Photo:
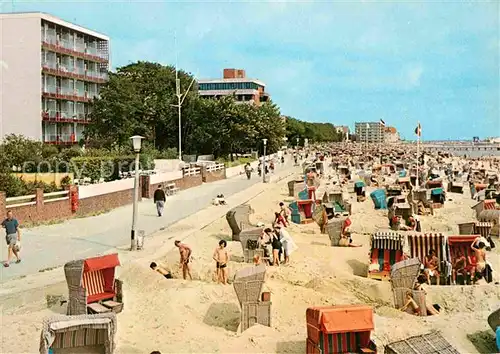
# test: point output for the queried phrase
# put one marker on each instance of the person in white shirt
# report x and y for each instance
(287, 242)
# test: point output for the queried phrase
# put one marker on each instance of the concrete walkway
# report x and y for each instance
(51, 246)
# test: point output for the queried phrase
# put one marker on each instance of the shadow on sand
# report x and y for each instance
(291, 347)
(226, 237)
(359, 269)
(225, 315)
(484, 341)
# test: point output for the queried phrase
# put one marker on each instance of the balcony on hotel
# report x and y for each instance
(71, 45)
(65, 116)
(61, 139)
(67, 93)
(74, 72)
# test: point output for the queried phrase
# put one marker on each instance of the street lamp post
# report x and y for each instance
(297, 146)
(136, 142)
(264, 162)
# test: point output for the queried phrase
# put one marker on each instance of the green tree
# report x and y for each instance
(138, 99)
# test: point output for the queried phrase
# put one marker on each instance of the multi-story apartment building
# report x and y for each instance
(369, 132)
(51, 69)
(391, 135)
(234, 83)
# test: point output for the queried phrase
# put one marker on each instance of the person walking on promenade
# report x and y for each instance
(185, 253)
(248, 170)
(13, 238)
(159, 199)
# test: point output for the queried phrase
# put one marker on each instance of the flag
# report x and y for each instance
(418, 130)
(382, 123)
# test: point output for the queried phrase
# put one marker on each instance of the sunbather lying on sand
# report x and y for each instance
(166, 273)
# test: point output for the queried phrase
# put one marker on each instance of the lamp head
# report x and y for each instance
(137, 142)
(265, 141)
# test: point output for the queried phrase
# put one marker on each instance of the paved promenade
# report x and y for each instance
(51, 246)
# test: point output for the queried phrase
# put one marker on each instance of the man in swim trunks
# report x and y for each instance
(431, 266)
(479, 252)
(459, 264)
(185, 253)
(221, 257)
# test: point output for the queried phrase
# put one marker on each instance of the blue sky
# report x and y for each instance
(338, 62)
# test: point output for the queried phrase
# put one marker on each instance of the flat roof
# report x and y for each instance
(53, 19)
(221, 81)
(227, 92)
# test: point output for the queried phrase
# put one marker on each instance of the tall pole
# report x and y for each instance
(418, 154)
(133, 242)
(264, 166)
(179, 107)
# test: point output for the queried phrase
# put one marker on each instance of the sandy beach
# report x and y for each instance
(200, 316)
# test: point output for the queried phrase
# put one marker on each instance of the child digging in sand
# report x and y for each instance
(411, 303)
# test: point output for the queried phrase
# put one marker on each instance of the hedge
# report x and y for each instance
(107, 167)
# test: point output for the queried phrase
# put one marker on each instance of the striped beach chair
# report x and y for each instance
(340, 329)
(386, 250)
(462, 243)
(88, 333)
(421, 244)
(483, 228)
(93, 281)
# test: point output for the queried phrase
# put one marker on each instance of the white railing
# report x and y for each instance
(215, 167)
(193, 171)
(24, 201)
(58, 196)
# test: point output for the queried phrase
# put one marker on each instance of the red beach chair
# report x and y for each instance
(91, 281)
(340, 329)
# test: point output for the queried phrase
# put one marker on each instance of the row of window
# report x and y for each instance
(228, 86)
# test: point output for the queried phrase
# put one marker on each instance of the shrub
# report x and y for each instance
(93, 167)
(11, 185)
(65, 182)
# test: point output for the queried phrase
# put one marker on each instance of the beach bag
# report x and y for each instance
(17, 246)
(252, 244)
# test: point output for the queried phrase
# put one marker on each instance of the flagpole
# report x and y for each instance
(418, 152)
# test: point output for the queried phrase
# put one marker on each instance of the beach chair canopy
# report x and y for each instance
(421, 244)
(489, 215)
(404, 273)
(437, 191)
(341, 319)
(83, 331)
(100, 263)
(248, 283)
(430, 343)
(359, 184)
(379, 198)
(387, 240)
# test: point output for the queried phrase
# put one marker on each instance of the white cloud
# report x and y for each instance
(414, 75)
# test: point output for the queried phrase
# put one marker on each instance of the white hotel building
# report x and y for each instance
(50, 69)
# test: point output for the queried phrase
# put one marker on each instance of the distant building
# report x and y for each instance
(391, 135)
(50, 70)
(235, 83)
(369, 132)
(344, 130)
